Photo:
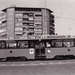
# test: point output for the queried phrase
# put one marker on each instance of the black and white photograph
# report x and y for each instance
(37, 37)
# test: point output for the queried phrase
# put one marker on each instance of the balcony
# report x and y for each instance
(51, 20)
(18, 29)
(24, 16)
(28, 21)
(18, 32)
(18, 15)
(51, 16)
(3, 34)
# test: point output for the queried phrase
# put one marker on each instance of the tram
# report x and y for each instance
(42, 47)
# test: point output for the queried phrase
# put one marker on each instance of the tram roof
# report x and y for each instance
(43, 37)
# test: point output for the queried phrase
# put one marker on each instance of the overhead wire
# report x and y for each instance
(59, 16)
(65, 18)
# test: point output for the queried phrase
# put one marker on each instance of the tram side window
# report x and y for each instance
(68, 44)
(31, 44)
(56, 44)
(2, 45)
(11, 44)
(23, 44)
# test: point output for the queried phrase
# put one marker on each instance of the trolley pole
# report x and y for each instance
(69, 31)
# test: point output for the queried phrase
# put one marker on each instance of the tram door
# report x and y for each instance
(40, 49)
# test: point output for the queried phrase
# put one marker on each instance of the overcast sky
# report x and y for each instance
(61, 8)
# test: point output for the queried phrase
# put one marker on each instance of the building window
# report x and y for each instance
(16, 20)
(18, 15)
(37, 29)
(31, 18)
(18, 32)
(31, 24)
(31, 29)
(2, 30)
(18, 24)
(4, 21)
(18, 29)
(30, 14)
(25, 19)
(38, 15)
(3, 34)
(30, 33)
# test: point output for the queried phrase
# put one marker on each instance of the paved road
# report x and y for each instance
(57, 67)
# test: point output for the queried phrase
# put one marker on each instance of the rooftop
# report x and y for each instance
(26, 8)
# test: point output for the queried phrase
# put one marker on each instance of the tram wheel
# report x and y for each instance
(23, 59)
(58, 57)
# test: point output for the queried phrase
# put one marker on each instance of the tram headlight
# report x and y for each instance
(48, 51)
(31, 51)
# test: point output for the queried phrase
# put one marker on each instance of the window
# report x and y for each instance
(2, 30)
(18, 15)
(11, 44)
(23, 44)
(18, 29)
(18, 24)
(0, 22)
(31, 24)
(3, 34)
(37, 45)
(48, 44)
(4, 21)
(38, 30)
(25, 19)
(16, 20)
(31, 18)
(56, 43)
(31, 44)
(31, 29)
(68, 43)
(30, 14)
(42, 45)
(2, 45)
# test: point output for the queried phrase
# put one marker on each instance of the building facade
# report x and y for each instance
(18, 22)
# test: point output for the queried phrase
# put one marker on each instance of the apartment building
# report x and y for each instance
(18, 22)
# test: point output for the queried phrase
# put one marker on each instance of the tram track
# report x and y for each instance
(37, 63)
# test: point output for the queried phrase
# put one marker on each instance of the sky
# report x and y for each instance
(63, 10)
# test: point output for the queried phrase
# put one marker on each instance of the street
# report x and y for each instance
(52, 67)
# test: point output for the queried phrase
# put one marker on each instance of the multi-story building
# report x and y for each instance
(18, 22)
